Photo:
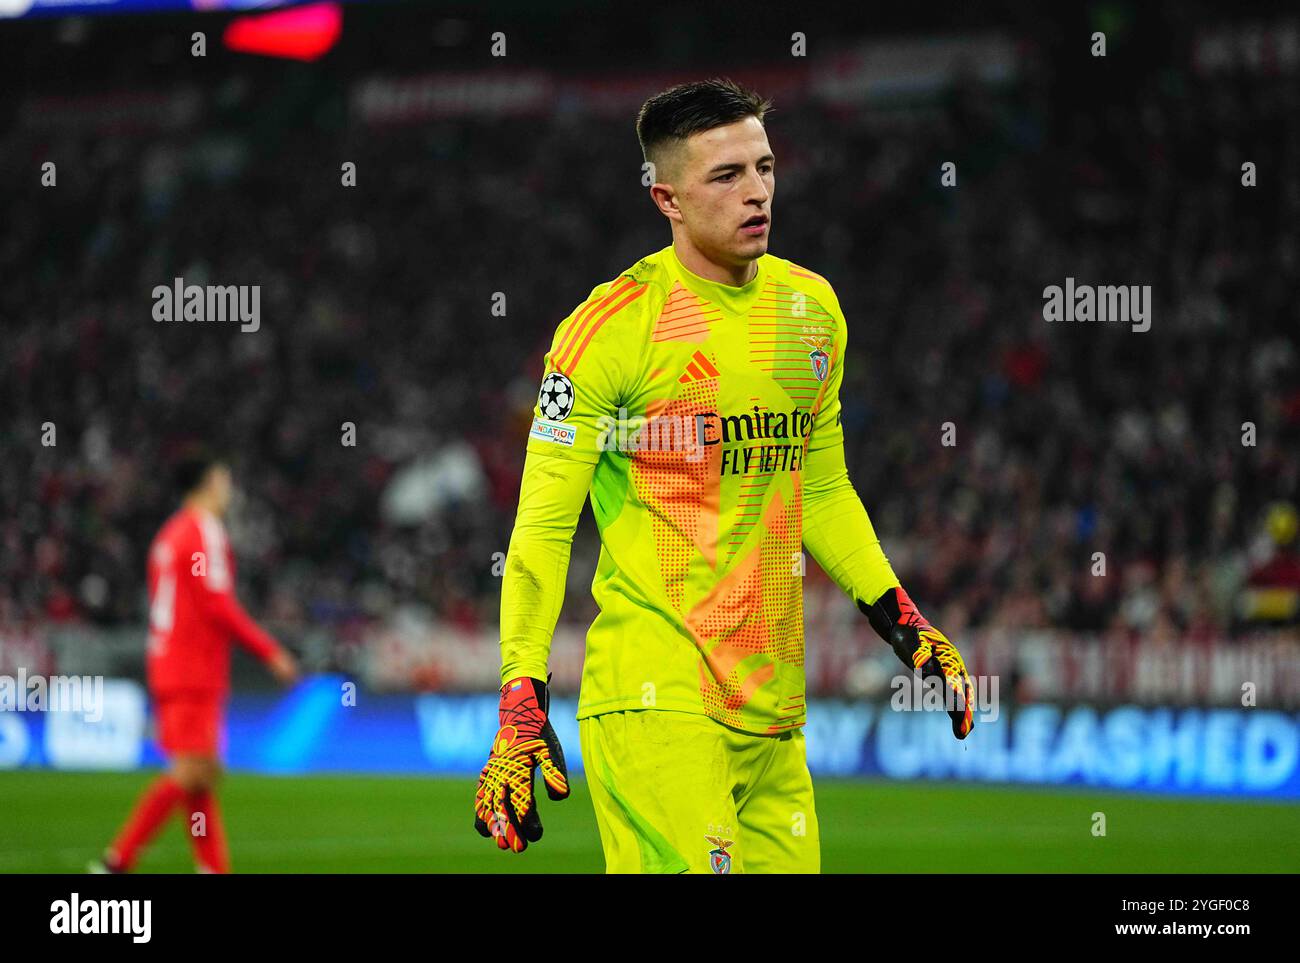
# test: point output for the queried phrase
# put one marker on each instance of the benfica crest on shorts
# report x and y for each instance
(821, 361)
(719, 858)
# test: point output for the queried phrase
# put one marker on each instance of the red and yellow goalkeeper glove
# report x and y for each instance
(921, 646)
(504, 806)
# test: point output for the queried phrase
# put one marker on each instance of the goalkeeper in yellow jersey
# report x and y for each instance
(695, 399)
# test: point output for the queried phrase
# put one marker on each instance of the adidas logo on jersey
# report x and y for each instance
(699, 368)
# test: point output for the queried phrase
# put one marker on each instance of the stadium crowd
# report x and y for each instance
(377, 310)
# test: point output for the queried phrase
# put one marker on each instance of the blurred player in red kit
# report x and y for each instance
(193, 617)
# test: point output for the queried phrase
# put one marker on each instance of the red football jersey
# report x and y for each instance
(193, 612)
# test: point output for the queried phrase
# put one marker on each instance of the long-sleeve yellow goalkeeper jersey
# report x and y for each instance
(703, 420)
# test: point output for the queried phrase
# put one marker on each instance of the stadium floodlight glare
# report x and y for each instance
(302, 33)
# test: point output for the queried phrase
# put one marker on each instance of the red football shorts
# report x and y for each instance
(189, 725)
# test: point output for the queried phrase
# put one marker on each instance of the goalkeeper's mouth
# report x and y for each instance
(755, 226)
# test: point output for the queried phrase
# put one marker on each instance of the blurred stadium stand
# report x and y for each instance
(524, 178)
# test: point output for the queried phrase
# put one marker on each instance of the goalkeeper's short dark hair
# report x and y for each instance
(191, 466)
(667, 119)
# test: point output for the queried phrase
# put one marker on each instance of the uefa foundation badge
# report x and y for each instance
(555, 402)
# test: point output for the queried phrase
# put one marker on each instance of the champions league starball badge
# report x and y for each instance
(556, 397)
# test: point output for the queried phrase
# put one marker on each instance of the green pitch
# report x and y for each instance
(56, 822)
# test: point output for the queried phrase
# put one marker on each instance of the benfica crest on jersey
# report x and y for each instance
(821, 361)
(719, 858)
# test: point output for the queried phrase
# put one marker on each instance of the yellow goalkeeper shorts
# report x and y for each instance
(676, 792)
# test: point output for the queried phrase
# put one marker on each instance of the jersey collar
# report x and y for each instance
(733, 298)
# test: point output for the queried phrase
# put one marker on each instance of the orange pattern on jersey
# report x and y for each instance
(756, 609)
(566, 340)
(803, 272)
(728, 628)
(681, 490)
(684, 317)
(777, 323)
(588, 323)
